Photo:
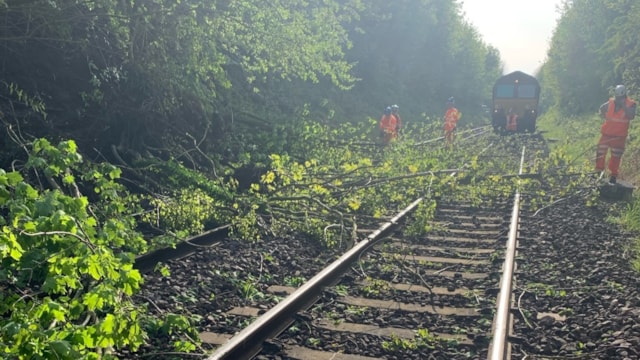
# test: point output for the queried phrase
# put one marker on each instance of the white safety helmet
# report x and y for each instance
(620, 91)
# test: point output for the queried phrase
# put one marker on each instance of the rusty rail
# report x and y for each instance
(248, 342)
(147, 262)
(500, 348)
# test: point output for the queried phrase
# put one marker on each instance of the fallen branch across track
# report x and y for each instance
(248, 342)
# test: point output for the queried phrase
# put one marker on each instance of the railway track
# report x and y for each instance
(408, 297)
(451, 274)
(405, 297)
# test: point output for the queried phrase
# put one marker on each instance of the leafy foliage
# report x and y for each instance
(67, 266)
(142, 69)
(153, 75)
(67, 273)
(423, 340)
(591, 51)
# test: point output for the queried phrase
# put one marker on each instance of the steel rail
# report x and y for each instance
(499, 348)
(248, 342)
(147, 262)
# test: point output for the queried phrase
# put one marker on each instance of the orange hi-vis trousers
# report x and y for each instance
(616, 144)
(449, 136)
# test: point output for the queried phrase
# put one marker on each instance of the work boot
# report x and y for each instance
(612, 180)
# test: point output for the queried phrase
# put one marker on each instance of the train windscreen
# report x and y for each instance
(526, 91)
(505, 91)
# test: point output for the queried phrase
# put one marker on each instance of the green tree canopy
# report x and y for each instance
(176, 78)
(591, 51)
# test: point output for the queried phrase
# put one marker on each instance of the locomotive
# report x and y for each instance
(515, 103)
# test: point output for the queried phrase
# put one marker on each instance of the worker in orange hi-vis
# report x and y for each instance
(617, 114)
(512, 120)
(395, 111)
(451, 117)
(388, 126)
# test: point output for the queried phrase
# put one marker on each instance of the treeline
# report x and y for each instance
(594, 47)
(165, 78)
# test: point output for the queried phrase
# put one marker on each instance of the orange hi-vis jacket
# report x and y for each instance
(388, 123)
(398, 121)
(451, 117)
(616, 123)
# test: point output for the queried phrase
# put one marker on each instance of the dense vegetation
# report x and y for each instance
(160, 77)
(592, 49)
(132, 124)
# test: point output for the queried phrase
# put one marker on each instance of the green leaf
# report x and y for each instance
(95, 270)
(5, 195)
(115, 173)
(62, 349)
(13, 178)
(9, 244)
(23, 189)
(93, 301)
(108, 324)
(68, 179)
(88, 339)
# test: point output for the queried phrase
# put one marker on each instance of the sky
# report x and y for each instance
(520, 29)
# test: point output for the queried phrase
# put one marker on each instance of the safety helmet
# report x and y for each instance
(395, 107)
(387, 110)
(620, 91)
(451, 100)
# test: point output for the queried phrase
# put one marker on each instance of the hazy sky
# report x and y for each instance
(520, 29)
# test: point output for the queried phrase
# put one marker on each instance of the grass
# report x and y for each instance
(578, 135)
(629, 218)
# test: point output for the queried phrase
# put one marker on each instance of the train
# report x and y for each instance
(515, 103)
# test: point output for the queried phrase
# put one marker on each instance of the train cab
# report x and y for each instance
(515, 103)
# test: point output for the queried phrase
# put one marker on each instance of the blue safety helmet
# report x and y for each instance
(387, 110)
(451, 100)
